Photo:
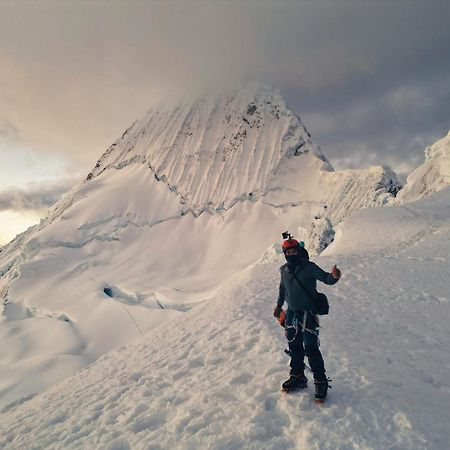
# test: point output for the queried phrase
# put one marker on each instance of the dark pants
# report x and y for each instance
(303, 343)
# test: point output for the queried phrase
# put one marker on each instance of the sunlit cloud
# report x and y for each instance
(21, 165)
(36, 197)
(21, 208)
(13, 223)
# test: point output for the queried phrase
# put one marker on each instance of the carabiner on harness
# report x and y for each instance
(296, 325)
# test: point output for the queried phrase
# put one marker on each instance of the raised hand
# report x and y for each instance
(336, 272)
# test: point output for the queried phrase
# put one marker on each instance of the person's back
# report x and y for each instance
(298, 294)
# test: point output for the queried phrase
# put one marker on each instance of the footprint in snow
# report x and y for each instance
(198, 362)
(249, 343)
(118, 444)
(150, 422)
(242, 378)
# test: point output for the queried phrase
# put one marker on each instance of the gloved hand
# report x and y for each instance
(336, 272)
(277, 311)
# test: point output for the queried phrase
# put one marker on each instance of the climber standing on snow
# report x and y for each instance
(301, 322)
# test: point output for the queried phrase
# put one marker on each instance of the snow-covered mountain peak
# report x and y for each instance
(432, 176)
(216, 148)
(189, 197)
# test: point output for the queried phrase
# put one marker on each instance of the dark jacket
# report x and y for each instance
(294, 294)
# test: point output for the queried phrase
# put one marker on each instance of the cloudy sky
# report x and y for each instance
(369, 78)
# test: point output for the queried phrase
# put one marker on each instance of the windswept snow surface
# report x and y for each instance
(210, 378)
(184, 200)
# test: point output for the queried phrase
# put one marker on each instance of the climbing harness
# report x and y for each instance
(296, 325)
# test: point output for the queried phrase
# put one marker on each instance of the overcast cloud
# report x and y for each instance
(35, 198)
(370, 79)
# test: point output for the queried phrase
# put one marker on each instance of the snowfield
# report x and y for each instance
(210, 377)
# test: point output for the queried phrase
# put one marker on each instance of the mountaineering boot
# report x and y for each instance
(321, 389)
(295, 382)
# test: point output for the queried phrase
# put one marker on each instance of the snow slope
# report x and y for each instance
(187, 198)
(209, 378)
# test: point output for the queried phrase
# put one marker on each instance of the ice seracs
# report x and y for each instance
(432, 176)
